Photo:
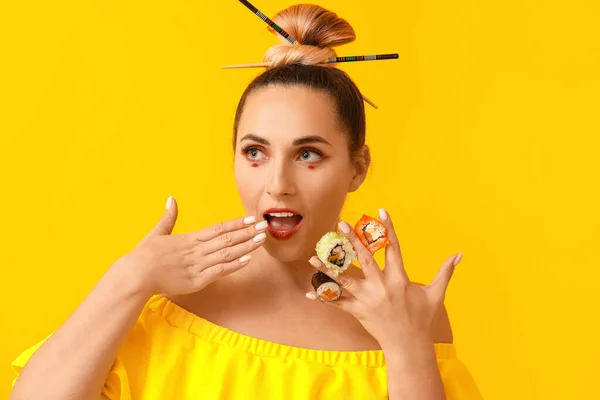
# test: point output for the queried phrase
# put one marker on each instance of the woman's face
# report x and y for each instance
(293, 167)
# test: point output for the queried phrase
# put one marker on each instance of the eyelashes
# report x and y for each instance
(252, 153)
(246, 152)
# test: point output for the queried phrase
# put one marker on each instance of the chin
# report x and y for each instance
(290, 250)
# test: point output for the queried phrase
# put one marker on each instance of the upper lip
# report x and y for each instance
(280, 210)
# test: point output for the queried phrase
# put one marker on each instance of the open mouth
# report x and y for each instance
(283, 224)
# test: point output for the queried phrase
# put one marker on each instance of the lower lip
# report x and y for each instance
(284, 235)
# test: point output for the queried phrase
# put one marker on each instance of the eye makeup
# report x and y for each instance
(252, 152)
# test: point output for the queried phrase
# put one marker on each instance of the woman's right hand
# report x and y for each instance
(180, 264)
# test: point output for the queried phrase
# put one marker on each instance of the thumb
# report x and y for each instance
(167, 222)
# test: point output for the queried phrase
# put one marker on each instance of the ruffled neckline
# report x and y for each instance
(179, 317)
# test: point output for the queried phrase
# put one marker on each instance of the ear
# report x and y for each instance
(361, 161)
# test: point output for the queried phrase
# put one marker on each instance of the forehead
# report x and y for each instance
(284, 112)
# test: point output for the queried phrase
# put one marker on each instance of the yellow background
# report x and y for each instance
(486, 142)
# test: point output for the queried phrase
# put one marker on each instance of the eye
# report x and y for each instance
(310, 155)
(253, 154)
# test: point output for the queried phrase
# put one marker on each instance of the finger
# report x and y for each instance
(228, 254)
(229, 239)
(214, 231)
(311, 295)
(220, 270)
(439, 285)
(346, 282)
(344, 303)
(167, 221)
(394, 265)
(367, 262)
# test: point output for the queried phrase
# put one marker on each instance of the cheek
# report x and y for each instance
(246, 183)
(325, 189)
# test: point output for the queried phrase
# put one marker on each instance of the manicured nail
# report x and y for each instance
(383, 215)
(249, 220)
(344, 227)
(245, 259)
(315, 262)
(259, 238)
(311, 296)
(261, 225)
(457, 259)
(169, 202)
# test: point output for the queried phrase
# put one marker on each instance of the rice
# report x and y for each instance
(336, 252)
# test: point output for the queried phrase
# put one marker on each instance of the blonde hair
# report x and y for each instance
(316, 29)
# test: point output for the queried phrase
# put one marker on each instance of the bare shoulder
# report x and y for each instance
(441, 329)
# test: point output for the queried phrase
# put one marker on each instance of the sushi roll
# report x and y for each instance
(336, 252)
(371, 233)
(326, 288)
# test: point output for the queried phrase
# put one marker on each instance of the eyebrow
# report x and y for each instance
(298, 142)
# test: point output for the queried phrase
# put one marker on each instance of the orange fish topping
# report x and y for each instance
(329, 294)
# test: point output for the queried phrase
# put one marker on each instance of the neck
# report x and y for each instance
(286, 275)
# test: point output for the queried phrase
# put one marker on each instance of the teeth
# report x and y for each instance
(282, 214)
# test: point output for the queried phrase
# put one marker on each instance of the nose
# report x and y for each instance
(281, 181)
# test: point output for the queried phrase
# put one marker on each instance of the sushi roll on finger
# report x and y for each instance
(371, 233)
(336, 252)
(326, 288)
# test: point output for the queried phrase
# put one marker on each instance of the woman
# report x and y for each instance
(223, 313)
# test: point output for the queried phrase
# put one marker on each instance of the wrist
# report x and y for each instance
(412, 362)
(409, 349)
(407, 340)
(127, 278)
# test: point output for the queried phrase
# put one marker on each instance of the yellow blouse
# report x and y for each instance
(174, 354)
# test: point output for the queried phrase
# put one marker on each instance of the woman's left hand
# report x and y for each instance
(388, 305)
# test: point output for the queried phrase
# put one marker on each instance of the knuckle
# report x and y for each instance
(194, 272)
(225, 254)
(226, 238)
(344, 282)
(218, 270)
(219, 228)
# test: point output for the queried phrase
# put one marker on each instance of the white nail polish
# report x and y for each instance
(311, 296)
(169, 202)
(259, 238)
(261, 225)
(383, 215)
(457, 259)
(245, 259)
(249, 220)
(315, 262)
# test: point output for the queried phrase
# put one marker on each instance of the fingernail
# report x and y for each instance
(245, 259)
(169, 202)
(311, 296)
(344, 227)
(315, 262)
(259, 238)
(457, 259)
(383, 215)
(249, 220)
(261, 225)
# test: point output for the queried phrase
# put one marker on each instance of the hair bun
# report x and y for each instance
(283, 54)
(315, 28)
